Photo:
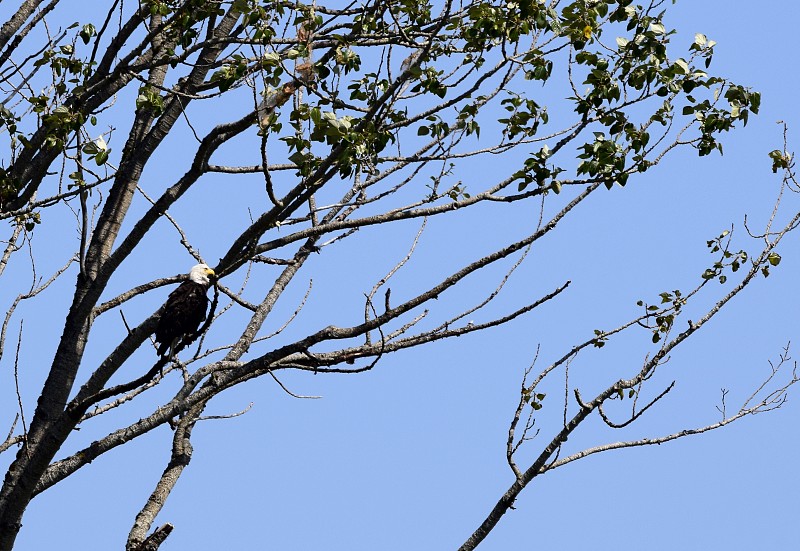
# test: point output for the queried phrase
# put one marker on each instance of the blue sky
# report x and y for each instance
(412, 454)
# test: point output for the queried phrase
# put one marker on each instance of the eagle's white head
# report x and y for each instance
(200, 274)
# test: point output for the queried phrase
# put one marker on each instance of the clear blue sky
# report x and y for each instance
(412, 454)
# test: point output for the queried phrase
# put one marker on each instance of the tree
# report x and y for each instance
(351, 121)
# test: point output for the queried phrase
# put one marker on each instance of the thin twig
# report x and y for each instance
(16, 385)
(289, 392)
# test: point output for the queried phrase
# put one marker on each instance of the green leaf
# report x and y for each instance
(774, 259)
(102, 157)
(779, 160)
(87, 32)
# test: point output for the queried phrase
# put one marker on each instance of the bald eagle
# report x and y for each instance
(184, 310)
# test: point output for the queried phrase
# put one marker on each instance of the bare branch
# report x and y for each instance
(637, 414)
(16, 385)
(289, 392)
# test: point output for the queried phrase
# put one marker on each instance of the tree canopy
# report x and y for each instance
(265, 138)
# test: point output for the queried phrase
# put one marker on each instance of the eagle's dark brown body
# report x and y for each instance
(182, 314)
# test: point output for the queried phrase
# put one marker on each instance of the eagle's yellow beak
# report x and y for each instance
(210, 272)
